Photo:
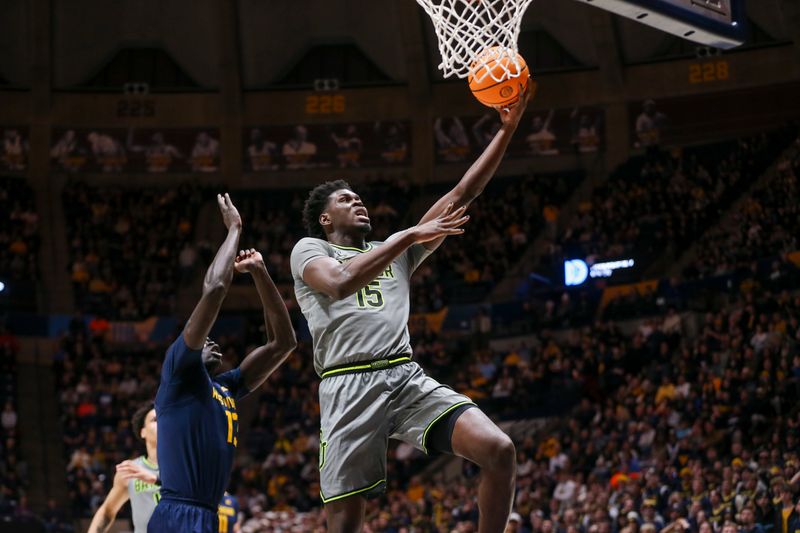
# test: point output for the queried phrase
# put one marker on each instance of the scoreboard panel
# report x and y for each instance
(717, 23)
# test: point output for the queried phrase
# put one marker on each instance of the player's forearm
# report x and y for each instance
(484, 168)
(102, 521)
(220, 274)
(276, 317)
(359, 271)
(264, 360)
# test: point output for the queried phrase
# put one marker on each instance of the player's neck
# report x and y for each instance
(152, 454)
(355, 240)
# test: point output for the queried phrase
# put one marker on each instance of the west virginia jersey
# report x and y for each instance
(228, 513)
(197, 438)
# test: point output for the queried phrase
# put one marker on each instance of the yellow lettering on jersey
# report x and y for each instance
(229, 404)
(232, 430)
(225, 401)
(227, 511)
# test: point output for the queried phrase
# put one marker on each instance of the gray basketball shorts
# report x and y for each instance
(361, 412)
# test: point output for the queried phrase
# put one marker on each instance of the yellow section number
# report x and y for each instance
(325, 104)
(709, 72)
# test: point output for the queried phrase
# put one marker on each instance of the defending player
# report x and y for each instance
(355, 296)
(142, 494)
(228, 513)
(198, 421)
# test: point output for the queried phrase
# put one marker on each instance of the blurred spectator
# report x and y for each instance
(661, 202)
(19, 230)
(766, 225)
(9, 417)
(120, 268)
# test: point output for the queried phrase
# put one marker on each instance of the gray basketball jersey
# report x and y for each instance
(144, 497)
(370, 324)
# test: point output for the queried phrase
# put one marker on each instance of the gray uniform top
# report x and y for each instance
(370, 324)
(144, 497)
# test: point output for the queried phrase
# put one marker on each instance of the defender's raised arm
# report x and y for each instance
(281, 341)
(218, 278)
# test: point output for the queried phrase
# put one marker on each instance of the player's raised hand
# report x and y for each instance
(230, 215)
(513, 114)
(248, 261)
(128, 470)
(449, 222)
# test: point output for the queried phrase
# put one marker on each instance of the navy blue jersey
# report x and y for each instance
(197, 427)
(228, 513)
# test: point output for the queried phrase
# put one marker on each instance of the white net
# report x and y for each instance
(466, 28)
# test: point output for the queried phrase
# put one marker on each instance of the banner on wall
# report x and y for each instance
(540, 133)
(14, 150)
(697, 118)
(118, 150)
(348, 145)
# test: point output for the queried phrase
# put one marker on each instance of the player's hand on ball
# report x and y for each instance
(248, 260)
(230, 215)
(447, 223)
(512, 115)
(128, 470)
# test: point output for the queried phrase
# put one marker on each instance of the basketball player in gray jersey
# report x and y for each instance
(143, 496)
(355, 296)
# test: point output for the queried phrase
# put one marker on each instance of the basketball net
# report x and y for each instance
(465, 28)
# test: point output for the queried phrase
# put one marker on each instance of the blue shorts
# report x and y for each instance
(174, 517)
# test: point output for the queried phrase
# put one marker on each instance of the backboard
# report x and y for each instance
(717, 23)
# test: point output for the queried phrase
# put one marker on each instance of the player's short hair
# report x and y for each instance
(137, 420)
(315, 205)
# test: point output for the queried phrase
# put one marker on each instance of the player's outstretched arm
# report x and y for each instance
(218, 278)
(340, 280)
(107, 512)
(474, 181)
(263, 361)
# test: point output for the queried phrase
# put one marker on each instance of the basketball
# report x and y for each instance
(493, 64)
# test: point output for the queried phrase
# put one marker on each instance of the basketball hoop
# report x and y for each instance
(466, 28)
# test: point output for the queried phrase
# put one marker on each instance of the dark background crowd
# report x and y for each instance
(672, 409)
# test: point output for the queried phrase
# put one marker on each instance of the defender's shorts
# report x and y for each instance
(173, 517)
(361, 412)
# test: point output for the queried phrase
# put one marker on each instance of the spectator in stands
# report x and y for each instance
(9, 417)
(119, 267)
(298, 151)
(650, 125)
(451, 139)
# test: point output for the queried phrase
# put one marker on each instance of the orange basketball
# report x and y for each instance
(489, 91)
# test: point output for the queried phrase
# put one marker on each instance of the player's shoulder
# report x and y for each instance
(311, 242)
(179, 345)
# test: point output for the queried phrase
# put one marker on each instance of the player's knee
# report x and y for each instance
(503, 454)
